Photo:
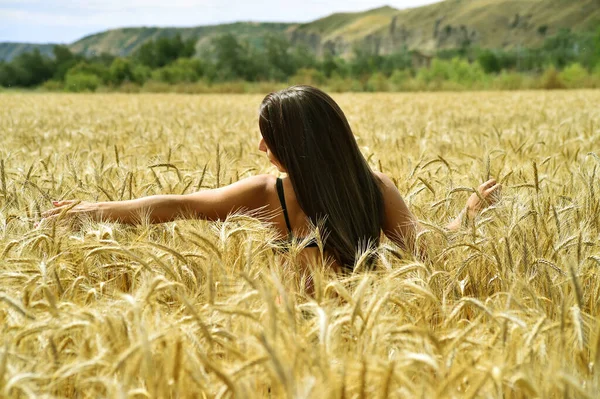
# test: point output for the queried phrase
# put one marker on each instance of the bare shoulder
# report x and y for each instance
(391, 195)
(386, 182)
(252, 185)
(258, 182)
(266, 184)
(253, 189)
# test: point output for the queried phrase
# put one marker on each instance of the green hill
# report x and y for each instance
(124, 41)
(448, 24)
(10, 50)
(127, 40)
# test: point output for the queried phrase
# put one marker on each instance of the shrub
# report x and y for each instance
(152, 86)
(508, 81)
(183, 70)
(308, 76)
(595, 77)
(265, 87)
(449, 85)
(377, 82)
(574, 76)
(551, 80)
(436, 73)
(399, 78)
(86, 68)
(198, 87)
(238, 86)
(129, 87)
(339, 84)
(413, 84)
(466, 74)
(123, 70)
(454, 74)
(53, 85)
(81, 81)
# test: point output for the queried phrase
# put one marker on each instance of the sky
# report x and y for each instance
(65, 21)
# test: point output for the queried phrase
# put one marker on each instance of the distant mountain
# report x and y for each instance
(448, 24)
(10, 50)
(126, 40)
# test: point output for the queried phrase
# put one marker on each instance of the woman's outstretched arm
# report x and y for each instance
(402, 227)
(214, 204)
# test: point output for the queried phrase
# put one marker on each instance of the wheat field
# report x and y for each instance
(191, 309)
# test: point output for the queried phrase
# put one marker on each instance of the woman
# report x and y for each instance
(306, 136)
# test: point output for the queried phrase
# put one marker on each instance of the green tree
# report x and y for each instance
(87, 68)
(561, 49)
(303, 57)
(64, 59)
(399, 60)
(279, 62)
(8, 74)
(364, 61)
(162, 51)
(121, 70)
(141, 73)
(489, 61)
(596, 49)
(27, 70)
(233, 59)
(332, 65)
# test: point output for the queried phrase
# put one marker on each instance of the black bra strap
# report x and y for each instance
(282, 201)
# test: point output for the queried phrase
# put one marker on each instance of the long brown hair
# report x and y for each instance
(310, 136)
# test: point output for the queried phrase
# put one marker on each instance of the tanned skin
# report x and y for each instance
(258, 193)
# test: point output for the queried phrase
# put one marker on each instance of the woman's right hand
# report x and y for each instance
(487, 194)
(74, 211)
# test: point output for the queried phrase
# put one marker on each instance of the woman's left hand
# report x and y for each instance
(72, 210)
(487, 194)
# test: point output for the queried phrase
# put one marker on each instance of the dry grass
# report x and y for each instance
(509, 308)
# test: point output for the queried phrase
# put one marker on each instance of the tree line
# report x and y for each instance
(566, 59)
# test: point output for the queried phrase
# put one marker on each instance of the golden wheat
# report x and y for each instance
(508, 307)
